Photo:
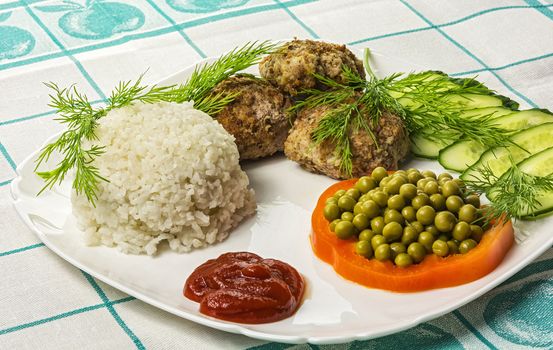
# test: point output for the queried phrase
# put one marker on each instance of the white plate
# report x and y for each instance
(334, 310)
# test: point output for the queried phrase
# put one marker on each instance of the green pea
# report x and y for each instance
(347, 216)
(383, 252)
(476, 232)
(344, 229)
(377, 224)
(377, 240)
(445, 221)
(416, 251)
(380, 198)
(393, 215)
(450, 188)
(363, 198)
(361, 221)
(437, 201)
(332, 225)
(410, 235)
(417, 226)
(414, 177)
(339, 194)
(331, 200)
(396, 202)
(443, 237)
(425, 215)
(473, 199)
(454, 203)
(433, 230)
(445, 176)
(431, 187)
(392, 231)
(366, 235)
(408, 191)
(403, 260)
(409, 213)
(383, 183)
(453, 247)
(370, 208)
(379, 173)
(400, 172)
(440, 248)
(395, 184)
(460, 183)
(429, 174)
(364, 248)
(422, 182)
(461, 231)
(353, 193)
(331, 212)
(346, 203)
(426, 239)
(468, 213)
(365, 184)
(420, 201)
(467, 245)
(357, 208)
(397, 248)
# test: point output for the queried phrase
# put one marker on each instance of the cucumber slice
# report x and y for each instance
(463, 153)
(540, 164)
(426, 148)
(477, 101)
(530, 141)
(468, 101)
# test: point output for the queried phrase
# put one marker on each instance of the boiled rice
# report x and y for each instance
(173, 176)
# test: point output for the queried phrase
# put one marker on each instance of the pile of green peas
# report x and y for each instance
(405, 216)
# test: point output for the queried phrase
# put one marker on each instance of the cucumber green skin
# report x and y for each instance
(497, 158)
(430, 149)
(540, 164)
(463, 153)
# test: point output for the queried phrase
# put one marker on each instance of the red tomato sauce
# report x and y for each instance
(243, 287)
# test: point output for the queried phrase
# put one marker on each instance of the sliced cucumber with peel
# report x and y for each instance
(463, 153)
(468, 101)
(540, 164)
(530, 141)
(426, 148)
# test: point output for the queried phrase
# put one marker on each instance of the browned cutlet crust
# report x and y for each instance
(291, 68)
(390, 132)
(256, 118)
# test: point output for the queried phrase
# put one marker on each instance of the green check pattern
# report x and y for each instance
(47, 303)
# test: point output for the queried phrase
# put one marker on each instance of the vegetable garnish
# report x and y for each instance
(430, 103)
(433, 272)
(515, 194)
(74, 110)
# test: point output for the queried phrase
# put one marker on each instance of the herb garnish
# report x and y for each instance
(515, 194)
(74, 110)
(423, 100)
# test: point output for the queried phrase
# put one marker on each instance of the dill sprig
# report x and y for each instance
(81, 118)
(515, 194)
(423, 100)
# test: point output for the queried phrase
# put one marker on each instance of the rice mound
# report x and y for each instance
(173, 175)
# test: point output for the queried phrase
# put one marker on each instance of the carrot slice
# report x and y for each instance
(433, 272)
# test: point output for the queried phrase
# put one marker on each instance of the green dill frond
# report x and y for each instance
(81, 118)
(514, 194)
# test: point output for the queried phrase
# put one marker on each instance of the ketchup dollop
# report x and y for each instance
(243, 287)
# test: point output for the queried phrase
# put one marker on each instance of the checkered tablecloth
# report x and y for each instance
(45, 303)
